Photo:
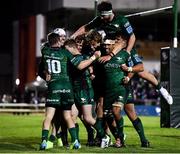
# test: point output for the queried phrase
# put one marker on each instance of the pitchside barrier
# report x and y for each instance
(22, 108)
(25, 108)
(170, 79)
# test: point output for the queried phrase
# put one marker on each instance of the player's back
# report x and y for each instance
(56, 63)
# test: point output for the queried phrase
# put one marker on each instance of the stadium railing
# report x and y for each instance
(22, 108)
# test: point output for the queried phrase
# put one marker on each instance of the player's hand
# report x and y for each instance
(125, 68)
(104, 59)
(48, 77)
(97, 54)
(126, 80)
(72, 36)
(92, 76)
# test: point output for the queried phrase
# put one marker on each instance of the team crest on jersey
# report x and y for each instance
(119, 59)
(120, 98)
(92, 100)
(130, 95)
(83, 100)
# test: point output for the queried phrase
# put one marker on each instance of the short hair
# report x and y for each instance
(104, 6)
(70, 43)
(52, 38)
(80, 38)
(93, 35)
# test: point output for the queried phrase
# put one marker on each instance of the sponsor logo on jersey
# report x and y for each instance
(129, 30)
(52, 57)
(61, 91)
(111, 65)
(52, 100)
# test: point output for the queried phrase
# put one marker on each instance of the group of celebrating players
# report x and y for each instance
(88, 76)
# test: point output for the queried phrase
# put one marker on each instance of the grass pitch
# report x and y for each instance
(22, 134)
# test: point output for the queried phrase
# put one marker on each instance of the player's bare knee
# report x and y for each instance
(89, 118)
(68, 117)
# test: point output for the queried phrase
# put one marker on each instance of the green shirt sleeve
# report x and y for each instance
(76, 60)
(125, 25)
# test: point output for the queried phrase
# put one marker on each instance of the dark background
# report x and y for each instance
(157, 27)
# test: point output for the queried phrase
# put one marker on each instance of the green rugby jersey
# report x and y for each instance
(82, 84)
(135, 58)
(119, 23)
(80, 78)
(57, 62)
(113, 72)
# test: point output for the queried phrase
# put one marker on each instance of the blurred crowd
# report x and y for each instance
(145, 92)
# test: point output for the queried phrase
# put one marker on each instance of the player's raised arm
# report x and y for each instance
(71, 46)
(80, 31)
